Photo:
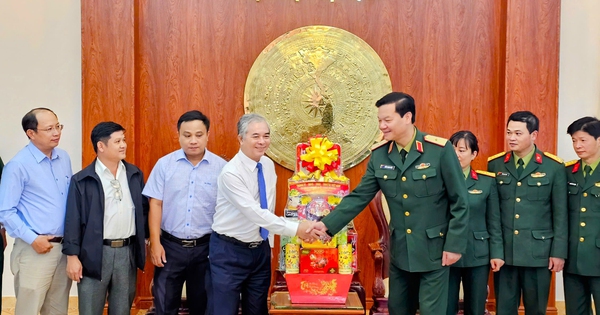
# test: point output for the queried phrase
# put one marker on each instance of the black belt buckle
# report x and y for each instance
(254, 244)
(117, 243)
(188, 243)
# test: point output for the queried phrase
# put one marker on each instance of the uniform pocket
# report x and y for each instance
(542, 242)
(538, 188)
(387, 182)
(504, 188)
(426, 182)
(435, 241)
(481, 248)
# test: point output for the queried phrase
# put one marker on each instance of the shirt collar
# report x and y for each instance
(526, 158)
(101, 169)
(39, 155)
(467, 171)
(409, 144)
(593, 165)
(247, 162)
(180, 155)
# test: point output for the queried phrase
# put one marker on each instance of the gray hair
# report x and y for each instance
(246, 120)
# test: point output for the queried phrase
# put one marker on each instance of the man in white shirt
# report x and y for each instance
(240, 256)
(104, 226)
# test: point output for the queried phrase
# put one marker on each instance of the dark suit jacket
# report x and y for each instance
(584, 221)
(484, 238)
(533, 208)
(427, 198)
(84, 221)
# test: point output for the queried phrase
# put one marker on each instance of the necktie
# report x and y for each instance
(520, 166)
(587, 170)
(262, 192)
(403, 154)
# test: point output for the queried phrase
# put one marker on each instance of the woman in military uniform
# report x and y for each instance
(484, 242)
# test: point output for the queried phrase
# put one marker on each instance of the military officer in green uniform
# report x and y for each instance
(582, 269)
(484, 238)
(532, 188)
(425, 189)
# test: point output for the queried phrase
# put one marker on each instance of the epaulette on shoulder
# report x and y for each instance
(554, 157)
(490, 174)
(493, 157)
(435, 140)
(570, 163)
(379, 144)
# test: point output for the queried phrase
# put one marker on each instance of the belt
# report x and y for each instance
(117, 243)
(57, 239)
(235, 241)
(185, 242)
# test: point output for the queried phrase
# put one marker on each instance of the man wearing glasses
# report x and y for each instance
(33, 194)
(104, 225)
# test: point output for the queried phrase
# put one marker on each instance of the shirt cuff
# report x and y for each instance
(291, 227)
(29, 237)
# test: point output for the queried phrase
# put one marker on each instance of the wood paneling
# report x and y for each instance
(468, 64)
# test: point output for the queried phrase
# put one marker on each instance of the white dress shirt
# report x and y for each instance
(238, 213)
(119, 215)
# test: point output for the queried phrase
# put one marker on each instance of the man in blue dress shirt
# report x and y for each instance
(33, 195)
(183, 189)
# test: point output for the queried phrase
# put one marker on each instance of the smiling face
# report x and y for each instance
(391, 124)
(47, 135)
(518, 138)
(586, 147)
(464, 154)
(256, 141)
(115, 148)
(193, 138)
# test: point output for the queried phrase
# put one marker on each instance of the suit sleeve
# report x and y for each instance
(354, 203)
(493, 222)
(456, 190)
(72, 237)
(559, 214)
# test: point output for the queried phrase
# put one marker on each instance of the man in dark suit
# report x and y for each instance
(421, 178)
(532, 190)
(582, 269)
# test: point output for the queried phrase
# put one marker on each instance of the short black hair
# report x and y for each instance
(30, 121)
(193, 115)
(532, 122)
(102, 132)
(468, 136)
(404, 103)
(588, 124)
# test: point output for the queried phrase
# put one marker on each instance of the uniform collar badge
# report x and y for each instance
(507, 157)
(538, 158)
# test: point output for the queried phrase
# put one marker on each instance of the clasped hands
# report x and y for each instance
(310, 231)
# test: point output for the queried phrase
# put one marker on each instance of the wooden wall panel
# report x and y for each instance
(467, 63)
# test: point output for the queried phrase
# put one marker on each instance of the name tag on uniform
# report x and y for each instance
(422, 166)
(387, 167)
(572, 184)
(538, 175)
(501, 174)
(475, 192)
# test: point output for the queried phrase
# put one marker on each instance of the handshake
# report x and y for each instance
(310, 231)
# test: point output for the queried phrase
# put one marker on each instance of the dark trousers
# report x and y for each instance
(184, 264)
(512, 281)
(238, 269)
(474, 281)
(578, 293)
(427, 291)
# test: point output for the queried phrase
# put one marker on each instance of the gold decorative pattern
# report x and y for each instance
(318, 80)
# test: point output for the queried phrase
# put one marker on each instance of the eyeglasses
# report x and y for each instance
(58, 128)
(117, 186)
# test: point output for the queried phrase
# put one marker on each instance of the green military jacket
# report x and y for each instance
(426, 196)
(584, 221)
(484, 238)
(533, 208)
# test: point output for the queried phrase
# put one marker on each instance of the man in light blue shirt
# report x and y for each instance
(183, 189)
(33, 195)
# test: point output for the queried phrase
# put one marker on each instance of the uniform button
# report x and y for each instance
(408, 231)
(441, 234)
(403, 178)
(405, 196)
(424, 176)
(583, 209)
(384, 176)
(582, 223)
(407, 213)
(516, 216)
(516, 232)
(518, 183)
(518, 199)
(585, 194)
(539, 184)
(581, 239)
(501, 182)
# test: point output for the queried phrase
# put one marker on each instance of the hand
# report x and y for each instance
(496, 264)
(449, 258)
(157, 254)
(74, 269)
(304, 229)
(556, 264)
(319, 231)
(41, 244)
